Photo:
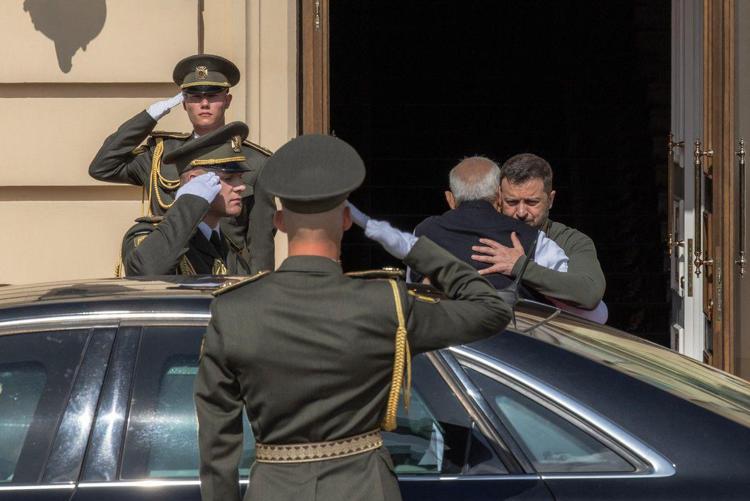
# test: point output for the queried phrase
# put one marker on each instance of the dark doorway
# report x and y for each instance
(418, 85)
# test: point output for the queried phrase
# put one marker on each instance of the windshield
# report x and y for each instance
(702, 385)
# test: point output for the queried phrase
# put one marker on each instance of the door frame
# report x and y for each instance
(719, 136)
(314, 113)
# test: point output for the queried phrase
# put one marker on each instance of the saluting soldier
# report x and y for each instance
(316, 357)
(189, 239)
(134, 154)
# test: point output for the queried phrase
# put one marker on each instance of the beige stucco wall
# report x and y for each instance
(74, 71)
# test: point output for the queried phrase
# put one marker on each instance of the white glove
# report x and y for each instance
(206, 186)
(359, 217)
(161, 108)
(397, 243)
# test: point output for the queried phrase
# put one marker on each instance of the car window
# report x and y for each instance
(36, 373)
(552, 443)
(21, 387)
(162, 435)
(435, 436)
(174, 443)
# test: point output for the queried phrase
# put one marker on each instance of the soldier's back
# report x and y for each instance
(314, 352)
(315, 348)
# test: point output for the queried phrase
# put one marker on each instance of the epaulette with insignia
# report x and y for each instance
(172, 135)
(150, 219)
(381, 273)
(230, 286)
(257, 148)
(425, 293)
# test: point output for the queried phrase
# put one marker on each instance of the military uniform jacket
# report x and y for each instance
(309, 351)
(583, 284)
(174, 245)
(123, 159)
(458, 229)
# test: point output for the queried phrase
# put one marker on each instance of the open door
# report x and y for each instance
(702, 170)
(688, 320)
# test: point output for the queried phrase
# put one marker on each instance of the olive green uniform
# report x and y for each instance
(309, 353)
(123, 159)
(583, 284)
(174, 245)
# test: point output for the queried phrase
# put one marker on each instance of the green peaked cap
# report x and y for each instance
(313, 173)
(220, 150)
(205, 74)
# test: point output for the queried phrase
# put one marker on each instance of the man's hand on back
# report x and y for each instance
(501, 258)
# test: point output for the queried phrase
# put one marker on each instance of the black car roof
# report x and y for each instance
(110, 289)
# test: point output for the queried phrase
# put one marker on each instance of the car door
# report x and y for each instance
(147, 418)
(578, 453)
(49, 387)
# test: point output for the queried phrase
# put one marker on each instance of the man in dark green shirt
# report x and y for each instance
(316, 357)
(527, 195)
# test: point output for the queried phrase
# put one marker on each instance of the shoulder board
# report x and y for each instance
(423, 297)
(258, 148)
(239, 283)
(172, 135)
(150, 219)
(382, 273)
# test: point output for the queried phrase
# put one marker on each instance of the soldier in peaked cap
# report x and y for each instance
(317, 357)
(189, 239)
(135, 153)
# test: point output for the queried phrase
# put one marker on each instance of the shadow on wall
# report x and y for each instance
(70, 24)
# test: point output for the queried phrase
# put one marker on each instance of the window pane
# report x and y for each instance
(36, 373)
(553, 444)
(436, 436)
(21, 387)
(174, 445)
(162, 435)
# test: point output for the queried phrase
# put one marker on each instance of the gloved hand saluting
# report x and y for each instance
(206, 186)
(161, 108)
(398, 243)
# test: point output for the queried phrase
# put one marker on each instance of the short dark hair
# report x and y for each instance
(520, 168)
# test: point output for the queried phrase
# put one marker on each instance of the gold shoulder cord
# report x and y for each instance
(186, 267)
(401, 364)
(218, 268)
(156, 179)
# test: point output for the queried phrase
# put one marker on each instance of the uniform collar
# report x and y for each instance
(310, 263)
(476, 205)
(206, 230)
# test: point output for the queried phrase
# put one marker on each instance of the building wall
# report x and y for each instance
(74, 70)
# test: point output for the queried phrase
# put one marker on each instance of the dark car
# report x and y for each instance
(96, 404)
